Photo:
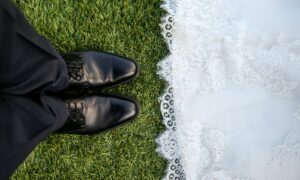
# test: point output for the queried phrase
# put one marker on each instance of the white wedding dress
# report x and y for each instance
(232, 108)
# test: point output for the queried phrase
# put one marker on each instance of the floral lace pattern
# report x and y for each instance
(253, 58)
(205, 144)
(265, 65)
(290, 149)
(209, 49)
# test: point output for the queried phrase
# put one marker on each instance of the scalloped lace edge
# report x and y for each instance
(167, 143)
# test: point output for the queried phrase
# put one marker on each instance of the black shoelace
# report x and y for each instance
(75, 70)
(76, 119)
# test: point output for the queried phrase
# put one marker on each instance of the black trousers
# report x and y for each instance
(30, 68)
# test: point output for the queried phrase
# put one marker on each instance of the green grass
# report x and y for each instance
(129, 28)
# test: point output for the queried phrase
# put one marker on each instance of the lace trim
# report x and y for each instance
(167, 141)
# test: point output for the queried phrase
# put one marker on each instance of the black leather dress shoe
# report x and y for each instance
(98, 113)
(99, 69)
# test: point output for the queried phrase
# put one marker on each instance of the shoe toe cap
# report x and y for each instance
(109, 69)
(108, 112)
(124, 110)
(125, 69)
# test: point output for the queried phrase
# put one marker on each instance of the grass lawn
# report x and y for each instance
(125, 27)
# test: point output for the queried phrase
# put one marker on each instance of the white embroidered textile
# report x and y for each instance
(232, 108)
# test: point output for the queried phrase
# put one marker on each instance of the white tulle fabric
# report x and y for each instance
(231, 108)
